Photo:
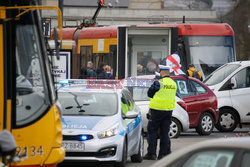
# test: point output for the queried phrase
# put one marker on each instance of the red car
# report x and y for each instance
(201, 103)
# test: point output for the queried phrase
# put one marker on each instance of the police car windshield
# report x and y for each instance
(88, 104)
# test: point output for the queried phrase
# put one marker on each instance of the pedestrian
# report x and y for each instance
(173, 61)
(91, 74)
(192, 72)
(83, 73)
(100, 72)
(162, 102)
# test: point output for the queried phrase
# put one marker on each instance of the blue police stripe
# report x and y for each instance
(122, 133)
(132, 125)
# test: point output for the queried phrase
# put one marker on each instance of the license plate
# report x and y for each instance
(73, 146)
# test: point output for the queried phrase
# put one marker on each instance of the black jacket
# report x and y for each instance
(91, 73)
(101, 74)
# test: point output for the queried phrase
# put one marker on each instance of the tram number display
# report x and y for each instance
(31, 151)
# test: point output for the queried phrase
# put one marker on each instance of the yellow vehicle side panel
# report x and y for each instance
(54, 158)
(94, 43)
(1, 76)
(8, 127)
(2, 13)
(46, 133)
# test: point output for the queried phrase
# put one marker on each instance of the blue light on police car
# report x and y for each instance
(63, 81)
(84, 137)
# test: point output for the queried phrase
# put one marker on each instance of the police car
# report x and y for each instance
(100, 122)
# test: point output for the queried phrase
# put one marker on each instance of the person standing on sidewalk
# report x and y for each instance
(162, 102)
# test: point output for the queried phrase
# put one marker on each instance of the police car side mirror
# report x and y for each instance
(131, 115)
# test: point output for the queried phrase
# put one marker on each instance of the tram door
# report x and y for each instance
(146, 53)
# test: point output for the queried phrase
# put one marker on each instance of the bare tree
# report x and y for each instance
(239, 18)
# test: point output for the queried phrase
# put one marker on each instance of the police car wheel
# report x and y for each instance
(205, 124)
(228, 120)
(175, 128)
(124, 156)
(139, 157)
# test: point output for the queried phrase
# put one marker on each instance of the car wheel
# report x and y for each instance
(139, 157)
(124, 156)
(175, 128)
(205, 124)
(228, 120)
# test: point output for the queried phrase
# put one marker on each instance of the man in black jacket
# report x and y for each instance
(100, 72)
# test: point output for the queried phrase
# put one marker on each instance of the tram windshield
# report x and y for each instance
(207, 53)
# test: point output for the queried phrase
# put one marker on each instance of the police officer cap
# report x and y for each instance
(162, 67)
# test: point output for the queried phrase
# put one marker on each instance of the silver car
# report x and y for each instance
(94, 126)
(138, 86)
(223, 152)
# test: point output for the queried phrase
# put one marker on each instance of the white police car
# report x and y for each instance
(95, 127)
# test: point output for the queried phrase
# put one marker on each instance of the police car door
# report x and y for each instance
(133, 128)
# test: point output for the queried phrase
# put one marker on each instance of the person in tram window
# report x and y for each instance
(108, 70)
(91, 74)
(192, 72)
(100, 72)
(140, 70)
(83, 73)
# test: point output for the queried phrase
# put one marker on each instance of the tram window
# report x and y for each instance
(147, 62)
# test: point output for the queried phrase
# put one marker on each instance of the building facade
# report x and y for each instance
(130, 12)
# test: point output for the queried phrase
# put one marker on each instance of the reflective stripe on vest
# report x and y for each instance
(164, 99)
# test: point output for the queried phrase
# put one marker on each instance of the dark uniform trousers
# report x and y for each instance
(162, 120)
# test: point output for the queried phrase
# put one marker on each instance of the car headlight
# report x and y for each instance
(108, 133)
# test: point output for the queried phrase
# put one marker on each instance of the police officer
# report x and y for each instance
(162, 103)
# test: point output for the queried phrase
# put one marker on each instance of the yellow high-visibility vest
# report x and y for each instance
(164, 99)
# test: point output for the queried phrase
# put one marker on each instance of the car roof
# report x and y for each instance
(232, 142)
(240, 62)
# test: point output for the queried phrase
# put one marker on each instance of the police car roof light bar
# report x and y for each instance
(105, 83)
